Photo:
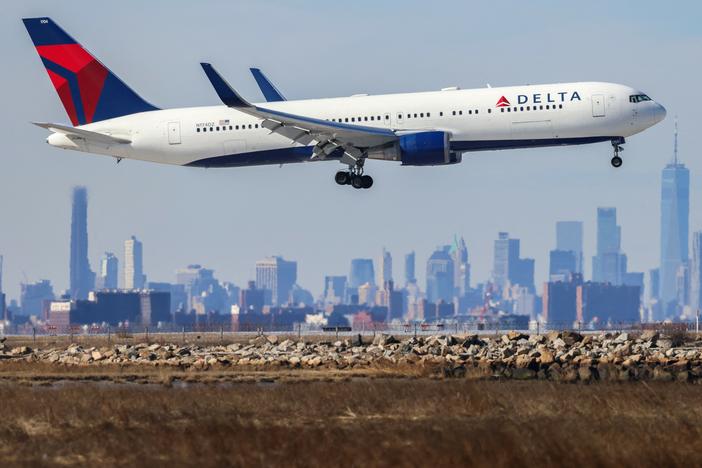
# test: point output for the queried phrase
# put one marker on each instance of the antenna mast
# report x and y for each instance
(675, 147)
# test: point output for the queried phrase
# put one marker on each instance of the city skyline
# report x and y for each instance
(526, 191)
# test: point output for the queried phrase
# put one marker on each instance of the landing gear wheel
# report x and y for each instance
(366, 181)
(342, 178)
(616, 144)
(357, 181)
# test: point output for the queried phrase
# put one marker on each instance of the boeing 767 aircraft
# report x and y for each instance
(415, 129)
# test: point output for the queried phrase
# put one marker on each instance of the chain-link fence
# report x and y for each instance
(228, 333)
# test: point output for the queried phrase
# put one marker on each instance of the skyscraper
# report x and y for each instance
(675, 214)
(609, 265)
(506, 250)
(361, 272)
(461, 271)
(134, 277)
(569, 237)
(696, 272)
(82, 279)
(1, 259)
(278, 276)
(562, 264)
(109, 272)
(508, 267)
(410, 277)
(440, 275)
(385, 268)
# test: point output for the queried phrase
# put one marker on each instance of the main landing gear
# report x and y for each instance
(354, 177)
(616, 144)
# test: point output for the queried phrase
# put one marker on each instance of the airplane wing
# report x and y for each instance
(330, 137)
(270, 92)
(73, 132)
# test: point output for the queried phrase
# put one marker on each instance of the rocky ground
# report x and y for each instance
(558, 356)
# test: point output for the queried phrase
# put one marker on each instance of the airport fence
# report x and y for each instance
(222, 333)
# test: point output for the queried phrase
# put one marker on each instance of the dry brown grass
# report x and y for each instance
(367, 422)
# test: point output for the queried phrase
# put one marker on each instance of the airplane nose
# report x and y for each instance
(659, 113)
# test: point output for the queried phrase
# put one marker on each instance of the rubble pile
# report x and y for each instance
(560, 356)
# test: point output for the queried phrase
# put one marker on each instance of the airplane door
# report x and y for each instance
(173, 133)
(598, 105)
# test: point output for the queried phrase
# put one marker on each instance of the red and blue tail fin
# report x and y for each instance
(88, 90)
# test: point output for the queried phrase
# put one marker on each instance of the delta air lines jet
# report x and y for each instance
(417, 129)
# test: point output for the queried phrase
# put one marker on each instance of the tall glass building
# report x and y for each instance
(675, 216)
(569, 237)
(82, 279)
(362, 272)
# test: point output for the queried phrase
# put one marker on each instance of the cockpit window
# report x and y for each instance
(638, 98)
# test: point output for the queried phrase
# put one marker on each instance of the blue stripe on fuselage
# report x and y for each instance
(302, 153)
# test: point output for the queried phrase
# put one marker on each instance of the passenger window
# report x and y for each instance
(502, 109)
(454, 112)
(217, 128)
(560, 106)
(541, 107)
(428, 115)
(198, 130)
(547, 108)
(212, 129)
(476, 111)
(470, 112)
(441, 114)
(509, 109)
(460, 112)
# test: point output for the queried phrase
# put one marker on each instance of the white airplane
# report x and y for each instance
(415, 129)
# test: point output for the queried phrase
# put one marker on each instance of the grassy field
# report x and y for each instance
(358, 422)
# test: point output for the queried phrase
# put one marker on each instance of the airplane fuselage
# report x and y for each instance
(475, 119)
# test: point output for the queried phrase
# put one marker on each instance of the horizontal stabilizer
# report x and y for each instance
(73, 132)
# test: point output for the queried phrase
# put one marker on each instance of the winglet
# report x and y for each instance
(225, 92)
(270, 92)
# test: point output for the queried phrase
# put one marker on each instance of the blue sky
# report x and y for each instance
(227, 219)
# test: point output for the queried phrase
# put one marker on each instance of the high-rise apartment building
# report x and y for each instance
(134, 277)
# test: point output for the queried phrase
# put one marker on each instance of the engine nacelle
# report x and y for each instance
(419, 149)
(425, 149)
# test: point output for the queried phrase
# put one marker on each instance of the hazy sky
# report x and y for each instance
(226, 219)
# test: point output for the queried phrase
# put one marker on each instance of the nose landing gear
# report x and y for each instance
(354, 177)
(617, 161)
